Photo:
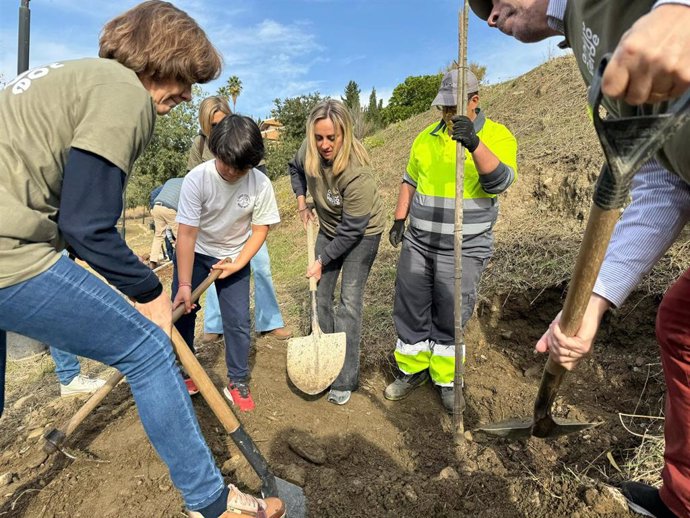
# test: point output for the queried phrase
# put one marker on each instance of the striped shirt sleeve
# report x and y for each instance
(659, 210)
(681, 2)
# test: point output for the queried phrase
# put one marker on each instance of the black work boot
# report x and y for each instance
(448, 399)
(405, 384)
(645, 500)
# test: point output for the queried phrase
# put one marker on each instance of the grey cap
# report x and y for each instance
(482, 8)
(448, 93)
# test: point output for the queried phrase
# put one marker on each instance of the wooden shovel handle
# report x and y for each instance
(208, 390)
(311, 253)
(591, 256)
(116, 377)
(592, 251)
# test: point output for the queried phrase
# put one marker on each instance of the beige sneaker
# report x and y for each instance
(241, 505)
(280, 333)
(210, 338)
(81, 385)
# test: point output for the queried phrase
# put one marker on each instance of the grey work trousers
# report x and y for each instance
(424, 307)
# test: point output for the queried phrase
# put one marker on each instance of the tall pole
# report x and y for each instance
(461, 104)
(23, 43)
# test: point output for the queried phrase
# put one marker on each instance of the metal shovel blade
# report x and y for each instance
(293, 497)
(542, 424)
(314, 361)
(520, 428)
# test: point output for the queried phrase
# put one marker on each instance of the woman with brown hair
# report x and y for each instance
(267, 317)
(334, 167)
(63, 167)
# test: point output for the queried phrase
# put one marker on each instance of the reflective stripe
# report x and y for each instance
(449, 203)
(412, 349)
(443, 350)
(468, 229)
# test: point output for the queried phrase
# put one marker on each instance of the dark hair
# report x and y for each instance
(236, 141)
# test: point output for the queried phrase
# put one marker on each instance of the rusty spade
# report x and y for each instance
(628, 142)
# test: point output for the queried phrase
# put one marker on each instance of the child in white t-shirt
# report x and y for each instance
(226, 208)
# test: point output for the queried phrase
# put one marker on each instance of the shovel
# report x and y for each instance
(314, 361)
(628, 142)
(292, 495)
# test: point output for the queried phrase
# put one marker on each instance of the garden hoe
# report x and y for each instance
(628, 142)
(56, 437)
(314, 361)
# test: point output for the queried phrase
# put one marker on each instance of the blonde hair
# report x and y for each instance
(156, 39)
(208, 108)
(351, 150)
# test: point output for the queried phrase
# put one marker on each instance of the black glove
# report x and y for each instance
(396, 234)
(463, 132)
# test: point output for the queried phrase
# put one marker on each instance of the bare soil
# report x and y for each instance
(373, 457)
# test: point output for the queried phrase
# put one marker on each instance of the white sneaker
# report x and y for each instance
(81, 385)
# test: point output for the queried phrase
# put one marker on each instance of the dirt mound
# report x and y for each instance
(372, 456)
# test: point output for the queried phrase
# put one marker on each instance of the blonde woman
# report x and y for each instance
(63, 166)
(267, 317)
(333, 166)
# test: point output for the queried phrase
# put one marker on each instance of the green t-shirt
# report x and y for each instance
(96, 105)
(593, 29)
(353, 191)
(199, 152)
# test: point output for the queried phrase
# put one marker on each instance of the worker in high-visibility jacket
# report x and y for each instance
(424, 289)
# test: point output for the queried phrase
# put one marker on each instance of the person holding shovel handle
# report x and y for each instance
(334, 167)
(268, 320)
(63, 168)
(650, 64)
(424, 311)
(225, 210)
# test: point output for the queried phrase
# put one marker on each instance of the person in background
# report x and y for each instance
(424, 307)
(267, 317)
(333, 166)
(226, 209)
(650, 64)
(163, 210)
(63, 168)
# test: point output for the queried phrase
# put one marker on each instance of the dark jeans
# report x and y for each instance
(233, 296)
(355, 265)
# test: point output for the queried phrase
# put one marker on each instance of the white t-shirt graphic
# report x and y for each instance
(224, 212)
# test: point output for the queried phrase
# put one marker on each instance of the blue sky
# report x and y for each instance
(284, 48)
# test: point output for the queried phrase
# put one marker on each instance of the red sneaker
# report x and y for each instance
(191, 386)
(238, 394)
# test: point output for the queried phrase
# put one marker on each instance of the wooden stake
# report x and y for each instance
(463, 22)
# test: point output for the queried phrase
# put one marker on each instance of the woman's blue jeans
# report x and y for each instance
(66, 365)
(72, 310)
(267, 315)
